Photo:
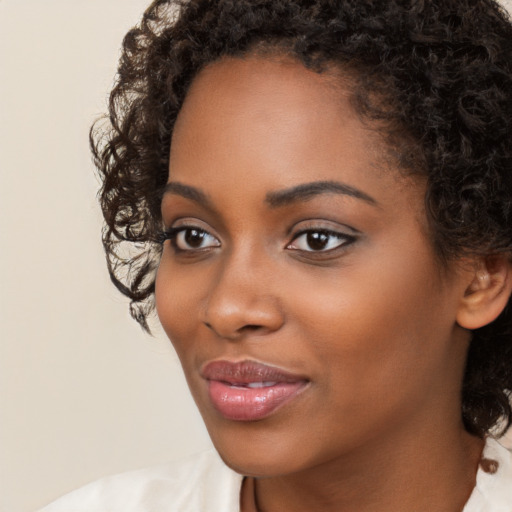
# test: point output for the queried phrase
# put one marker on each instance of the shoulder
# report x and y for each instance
(200, 483)
(493, 490)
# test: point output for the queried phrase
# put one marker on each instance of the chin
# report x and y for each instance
(259, 465)
(256, 449)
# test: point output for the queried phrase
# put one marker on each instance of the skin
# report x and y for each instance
(371, 322)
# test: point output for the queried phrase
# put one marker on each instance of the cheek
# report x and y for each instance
(375, 326)
(176, 301)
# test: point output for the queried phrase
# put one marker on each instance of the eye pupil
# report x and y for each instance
(317, 240)
(194, 237)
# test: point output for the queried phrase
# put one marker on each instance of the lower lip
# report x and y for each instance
(251, 404)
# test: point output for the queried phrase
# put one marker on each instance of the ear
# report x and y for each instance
(487, 294)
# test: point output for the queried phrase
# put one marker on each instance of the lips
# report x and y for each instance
(250, 391)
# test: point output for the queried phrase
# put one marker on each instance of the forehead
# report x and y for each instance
(260, 124)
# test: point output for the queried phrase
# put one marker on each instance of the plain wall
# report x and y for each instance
(83, 392)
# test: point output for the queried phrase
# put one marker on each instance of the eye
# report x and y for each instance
(319, 240)
(190, 238)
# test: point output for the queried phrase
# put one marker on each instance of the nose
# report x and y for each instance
(242, 300)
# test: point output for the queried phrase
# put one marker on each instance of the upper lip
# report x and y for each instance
(245, 372)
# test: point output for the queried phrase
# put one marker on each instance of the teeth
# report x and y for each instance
(252, 385)
(261, 384)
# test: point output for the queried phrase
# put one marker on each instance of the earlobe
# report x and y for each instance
(487, 293)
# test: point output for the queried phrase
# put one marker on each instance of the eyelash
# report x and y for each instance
(172, 234)
(344, 239)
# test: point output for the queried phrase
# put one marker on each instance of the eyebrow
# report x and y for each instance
(189, 192)
(279, 198)
(307, 191)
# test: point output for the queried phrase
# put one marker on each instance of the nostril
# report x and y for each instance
(237, 332)
(251, 327)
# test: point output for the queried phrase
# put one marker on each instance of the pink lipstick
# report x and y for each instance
(250, 391)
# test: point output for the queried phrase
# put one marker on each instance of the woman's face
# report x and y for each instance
(299, 287)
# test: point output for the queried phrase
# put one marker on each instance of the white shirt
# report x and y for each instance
(205, 484)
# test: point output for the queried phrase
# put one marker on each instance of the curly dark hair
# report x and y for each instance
(436, 74)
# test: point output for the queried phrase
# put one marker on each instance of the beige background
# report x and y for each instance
(83, 392)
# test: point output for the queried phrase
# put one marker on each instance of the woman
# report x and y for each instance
(317, 195)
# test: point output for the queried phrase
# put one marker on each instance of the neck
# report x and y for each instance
(422, 472)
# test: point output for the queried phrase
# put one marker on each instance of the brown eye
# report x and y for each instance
(189, 239)
(319, 241)
(194, 238)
